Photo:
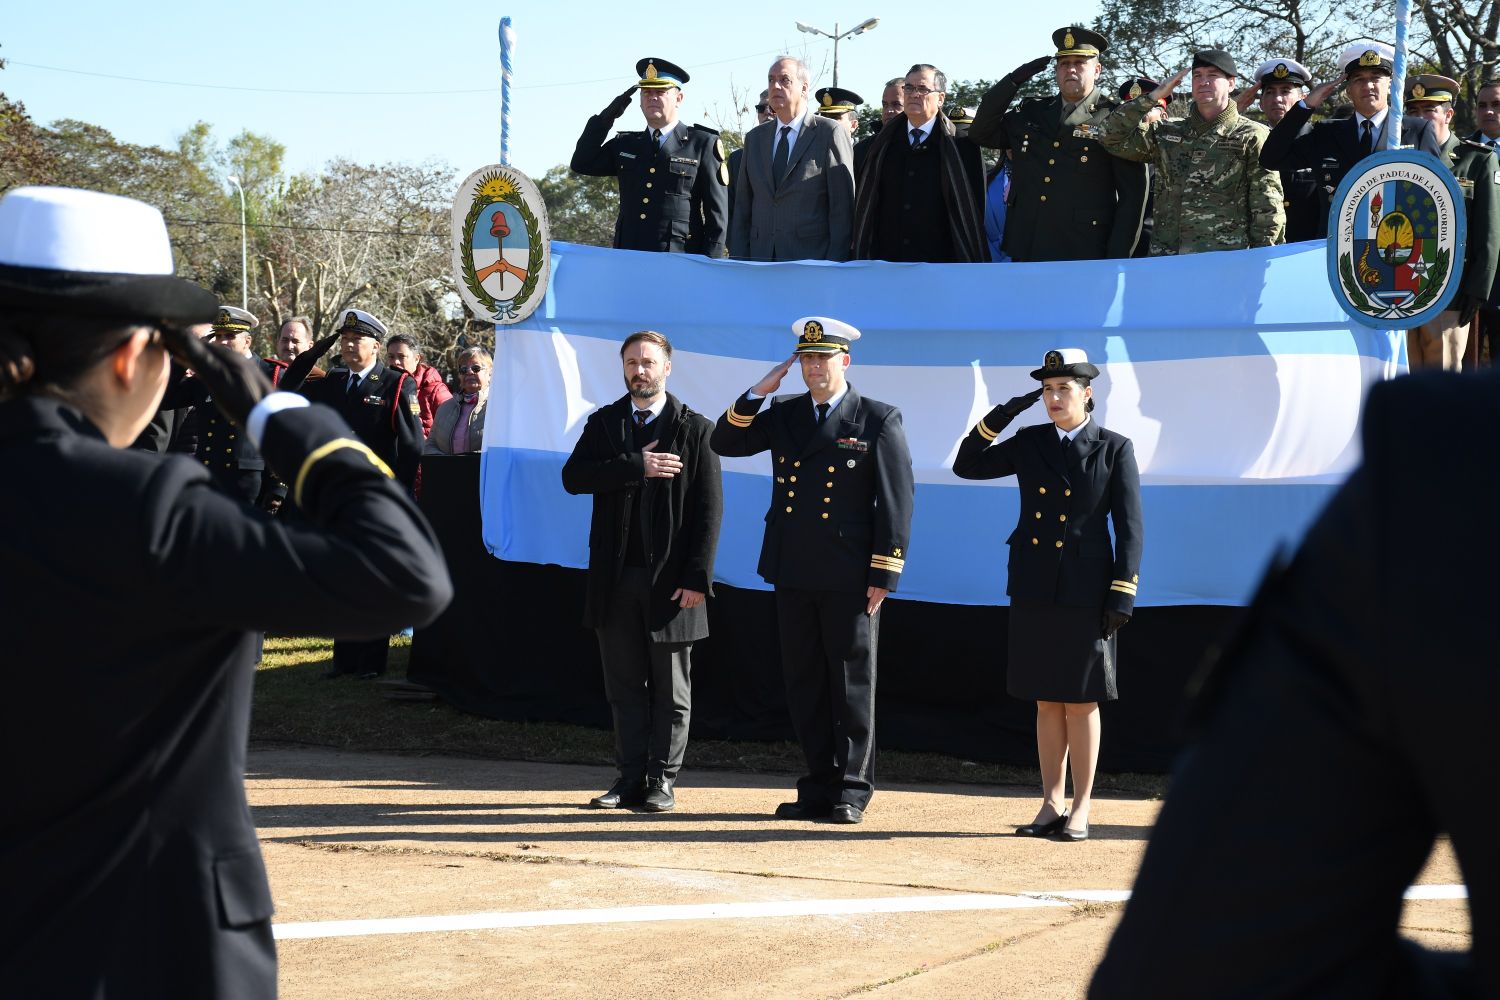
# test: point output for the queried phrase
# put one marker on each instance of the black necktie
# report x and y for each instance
(916, 137)
(822, 413)
(1366, 139)
(778, 159)
(641, 416)
(1067, 448)
(353, 385)
(656, 136)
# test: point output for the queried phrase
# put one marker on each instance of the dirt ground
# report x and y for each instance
(363, 836)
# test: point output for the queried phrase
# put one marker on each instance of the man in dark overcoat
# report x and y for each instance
(657, 505)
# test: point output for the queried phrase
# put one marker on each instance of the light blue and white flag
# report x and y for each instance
(1236, 375)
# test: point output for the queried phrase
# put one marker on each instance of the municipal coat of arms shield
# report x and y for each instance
(1396, 239)
(502, 253)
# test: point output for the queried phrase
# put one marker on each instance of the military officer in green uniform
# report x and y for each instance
(1280, 82)
(674, 182)
(1211, 191)
(834, 547)
(1441, 343)
(1069, 198)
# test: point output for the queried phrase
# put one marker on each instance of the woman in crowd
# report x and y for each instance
(136, 595)
(1069, 590)
(458, 426)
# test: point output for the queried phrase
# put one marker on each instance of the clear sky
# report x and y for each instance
(383, 81)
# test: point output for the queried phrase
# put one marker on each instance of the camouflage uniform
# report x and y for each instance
(1211, 191)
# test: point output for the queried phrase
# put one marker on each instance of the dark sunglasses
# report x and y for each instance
(470, 369)
(763, 109)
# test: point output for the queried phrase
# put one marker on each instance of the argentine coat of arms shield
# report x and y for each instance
(502, 253)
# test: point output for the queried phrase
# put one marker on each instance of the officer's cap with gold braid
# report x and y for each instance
(233, 319)
(1136, 86)
(1430, 88)
(1076, 41)
(360, 322)
(658, 74)
(961, 116)
(1065, 362)
(1280, 69)
(835, 102)
(821, 335)
(1367, 55)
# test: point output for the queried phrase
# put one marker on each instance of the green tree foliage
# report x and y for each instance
(581, 209)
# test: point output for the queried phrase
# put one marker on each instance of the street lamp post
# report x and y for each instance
(858, 29)
(244, 255)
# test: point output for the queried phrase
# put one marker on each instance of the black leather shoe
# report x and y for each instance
(625, 792)
(1042, 829)
(846, 813)
(1073, 836)
(659, 797)
(802, 810)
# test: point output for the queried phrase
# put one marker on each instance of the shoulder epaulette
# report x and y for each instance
(1473, 144)
(705, 128)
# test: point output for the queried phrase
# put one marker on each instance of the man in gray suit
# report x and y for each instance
(794, 195)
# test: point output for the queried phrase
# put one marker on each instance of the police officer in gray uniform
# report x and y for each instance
(674, 182)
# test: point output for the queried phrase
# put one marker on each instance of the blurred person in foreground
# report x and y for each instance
(129, 861)
(1345, 729)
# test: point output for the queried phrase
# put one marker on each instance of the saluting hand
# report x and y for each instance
(236, 382)
(1017, 405)
(302, 365)
(1247, 97)
(1322, 92)
(1164, 91)
(619, 104)
(660, 464)
(773, 378)
(1026, 71)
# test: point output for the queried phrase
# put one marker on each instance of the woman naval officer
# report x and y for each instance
(1069, 593)
(135, 593)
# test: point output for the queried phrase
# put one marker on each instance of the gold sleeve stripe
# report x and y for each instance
(1123, 588)
(887, 562)
(323, 451)
(736, 419)
(985, 432)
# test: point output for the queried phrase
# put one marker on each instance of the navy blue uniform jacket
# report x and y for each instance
(840, 514)
(1060, 551)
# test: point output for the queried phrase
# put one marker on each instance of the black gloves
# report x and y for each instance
(1111, 623)
(1026, 71)
(237, 383)
(619, 104)
(297, 372)
(1467, 305)
(1019, 404)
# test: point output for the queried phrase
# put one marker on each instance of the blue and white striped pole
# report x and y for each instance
(507, 44)
(1398, 75)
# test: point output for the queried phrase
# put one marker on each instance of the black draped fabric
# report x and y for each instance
(510, 646)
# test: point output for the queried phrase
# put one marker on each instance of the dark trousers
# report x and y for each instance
(360, 656)
(828, 662)
(1489, 333)
(648, 683)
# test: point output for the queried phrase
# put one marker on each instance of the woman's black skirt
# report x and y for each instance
(1055, 654)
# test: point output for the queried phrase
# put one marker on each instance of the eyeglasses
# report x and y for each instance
(907, 88)
(762, 109)
(470, 369)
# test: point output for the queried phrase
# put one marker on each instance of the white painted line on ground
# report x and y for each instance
(642, 914)
(736, 911)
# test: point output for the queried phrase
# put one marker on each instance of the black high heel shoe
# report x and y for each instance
(1042, 829)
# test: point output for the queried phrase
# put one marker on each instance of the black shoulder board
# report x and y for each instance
(1472, 144)
(705, 128)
